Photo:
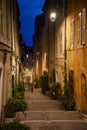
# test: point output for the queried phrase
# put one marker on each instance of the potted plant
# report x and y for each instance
(67, 98)
(15, 125)
(59, 90)
(43, 83)
(55, 91)
(14, 105)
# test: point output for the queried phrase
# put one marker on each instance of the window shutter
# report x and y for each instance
(60, 41)
(79, 28)
(56, 49)
(83, 25)
(72, 33)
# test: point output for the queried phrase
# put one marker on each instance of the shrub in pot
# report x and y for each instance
(58, 86)
(67, 98)
(43, 82)
(19, 90)
(9, 108)
(55, 90)
(15, 125)
(14, 105)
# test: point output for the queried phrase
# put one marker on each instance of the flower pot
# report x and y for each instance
(69, 107)
(46, 92)
(59, 94)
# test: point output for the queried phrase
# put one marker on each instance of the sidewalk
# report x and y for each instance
(46, 114)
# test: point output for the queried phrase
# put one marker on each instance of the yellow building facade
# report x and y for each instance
(76, 42)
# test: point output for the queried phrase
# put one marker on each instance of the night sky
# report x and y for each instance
(28, 11)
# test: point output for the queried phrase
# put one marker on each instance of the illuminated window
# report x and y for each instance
(45, 59)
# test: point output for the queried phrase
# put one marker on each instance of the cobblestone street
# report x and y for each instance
(46, 114)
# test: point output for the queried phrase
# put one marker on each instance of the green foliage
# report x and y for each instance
(18, 95)
(36, 83)
(14, 54)
(43, 82)
(58, 85)
(67, 98)
(21, 105)
(15, 125)
(20, 87)
(14, 105)
(52, 77)
(54, 90)
(9, 108)
(19, 91)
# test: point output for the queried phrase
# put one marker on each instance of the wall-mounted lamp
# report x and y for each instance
(53, 16)
(27, 55)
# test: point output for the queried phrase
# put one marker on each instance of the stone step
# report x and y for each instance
(53, 124)
(44, 105)
(48, 115)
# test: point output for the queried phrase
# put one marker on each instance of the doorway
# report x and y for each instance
(71, 80)
(83, 93)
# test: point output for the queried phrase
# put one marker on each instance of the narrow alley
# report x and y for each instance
(46, 114)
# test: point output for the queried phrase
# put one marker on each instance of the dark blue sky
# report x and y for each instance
(28, 11)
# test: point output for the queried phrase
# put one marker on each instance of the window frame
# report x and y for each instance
(72, 34)
(83, 25)
(80, 28)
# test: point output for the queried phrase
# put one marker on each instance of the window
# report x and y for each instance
(1, 18)
(72, 33)
(45, 59)
(60, 42)
(56, 76)
(56, 49)
(81, 27)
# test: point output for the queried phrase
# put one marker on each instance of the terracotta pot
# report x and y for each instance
(59, 94)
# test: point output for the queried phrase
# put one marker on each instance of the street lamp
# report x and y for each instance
(53, 16)
(27, 55)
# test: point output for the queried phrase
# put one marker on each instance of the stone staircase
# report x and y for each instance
(46, 114)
